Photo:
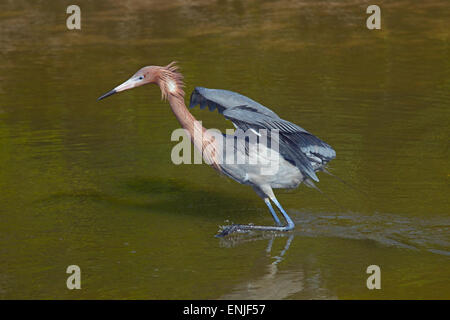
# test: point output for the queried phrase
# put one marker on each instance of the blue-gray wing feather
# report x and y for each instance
(224, 99)
(296, 145)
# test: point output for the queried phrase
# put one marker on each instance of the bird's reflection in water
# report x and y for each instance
(275, 284)
(286, 248)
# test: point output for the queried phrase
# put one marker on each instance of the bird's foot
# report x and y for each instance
(226, 230)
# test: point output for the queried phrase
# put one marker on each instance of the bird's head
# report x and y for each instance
(143, 76)
(168, 79)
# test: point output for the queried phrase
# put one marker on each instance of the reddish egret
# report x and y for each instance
(298, 156)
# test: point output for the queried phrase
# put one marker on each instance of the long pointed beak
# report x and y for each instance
(129, 84)
(107, 94)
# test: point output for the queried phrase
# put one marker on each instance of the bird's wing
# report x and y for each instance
(224, 99)
(304, 150)
(296, 145)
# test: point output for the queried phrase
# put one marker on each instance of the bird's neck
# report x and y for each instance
(203, 141)
(171, 85)
(184, 117)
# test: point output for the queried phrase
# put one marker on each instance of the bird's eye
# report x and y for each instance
(141, 77)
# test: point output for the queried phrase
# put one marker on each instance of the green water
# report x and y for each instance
(92, 183)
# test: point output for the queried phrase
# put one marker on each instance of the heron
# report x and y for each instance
(298, 155)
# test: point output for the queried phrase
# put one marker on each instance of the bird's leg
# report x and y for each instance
(247, 227)
(274, 214)
(290, 223)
